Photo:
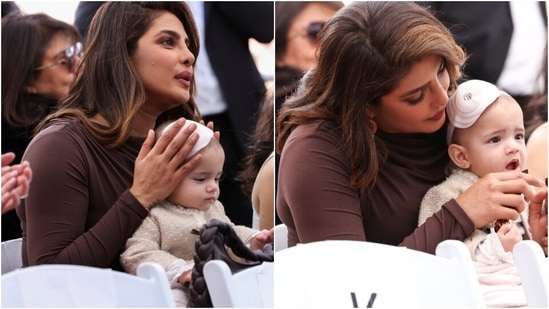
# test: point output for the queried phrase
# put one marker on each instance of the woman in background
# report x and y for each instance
(40, 56)
(297, 26)
(258, 172)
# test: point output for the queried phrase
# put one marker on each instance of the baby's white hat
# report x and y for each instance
(205, 135)
(467, 104)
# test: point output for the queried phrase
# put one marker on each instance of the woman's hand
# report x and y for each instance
(261, 239)
(498, 196)
(210, 125)
(15, 182)
(160, 167)
(537, 219)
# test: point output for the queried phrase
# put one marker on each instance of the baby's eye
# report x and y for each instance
(494, 140)
(200, 179)
(519, 136)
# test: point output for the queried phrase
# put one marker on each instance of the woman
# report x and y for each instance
(364, 138)
(257, 175)
(297, 27)
(96, 168)
(40, 55)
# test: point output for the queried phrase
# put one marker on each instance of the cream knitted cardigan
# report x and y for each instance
(165, 237)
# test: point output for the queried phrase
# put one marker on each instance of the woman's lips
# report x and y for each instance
(184, 78)
(437, 116)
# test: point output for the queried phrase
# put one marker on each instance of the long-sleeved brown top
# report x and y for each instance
(79, 209)
(316, 203)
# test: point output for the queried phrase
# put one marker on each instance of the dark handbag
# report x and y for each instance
(214, 239)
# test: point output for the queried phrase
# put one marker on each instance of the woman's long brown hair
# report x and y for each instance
(365, 49)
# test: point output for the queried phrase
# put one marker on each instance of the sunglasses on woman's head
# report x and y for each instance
(314, 29)
(68, 57)
(311, 32)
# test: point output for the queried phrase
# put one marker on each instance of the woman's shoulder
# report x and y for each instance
(59, 133)
(539, 134)
(267, 161)
(318, 135)
(313, 143)
(63, 126)
(317, 130)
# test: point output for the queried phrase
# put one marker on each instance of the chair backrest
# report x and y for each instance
(533, 268)
(338, 274)
(71, 286)
(11, 255)
(280, 237)
(252, 287)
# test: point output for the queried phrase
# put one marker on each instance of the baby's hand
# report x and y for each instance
(185, 277)
(261, 239)
(509, 235)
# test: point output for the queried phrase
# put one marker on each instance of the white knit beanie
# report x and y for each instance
(205, 135)
(467, 104)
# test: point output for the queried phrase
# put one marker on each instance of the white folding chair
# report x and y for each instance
(280, 237)
(533, 268)
(72, 286)
(11, 255)
(339, 273)
(252, 287)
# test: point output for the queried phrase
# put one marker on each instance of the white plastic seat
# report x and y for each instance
(533, 268)
(11, 255)
(339, 274)
(252, 287)
(280, 237)
(71, 286)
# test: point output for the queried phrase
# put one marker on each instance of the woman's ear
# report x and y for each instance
(370, 116)
(458, 155)
(373, 124)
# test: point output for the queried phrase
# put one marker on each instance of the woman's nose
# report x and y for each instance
(440, 95)
(187, 57)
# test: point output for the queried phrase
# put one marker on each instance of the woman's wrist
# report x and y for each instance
(143, 199)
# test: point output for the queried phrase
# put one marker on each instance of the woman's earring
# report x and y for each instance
(373, 125)
(30, 89)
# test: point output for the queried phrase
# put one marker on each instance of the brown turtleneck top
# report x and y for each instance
(316, 203)
(79, 209)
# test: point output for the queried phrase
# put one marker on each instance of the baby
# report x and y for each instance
(165, 236)
(485, 135)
